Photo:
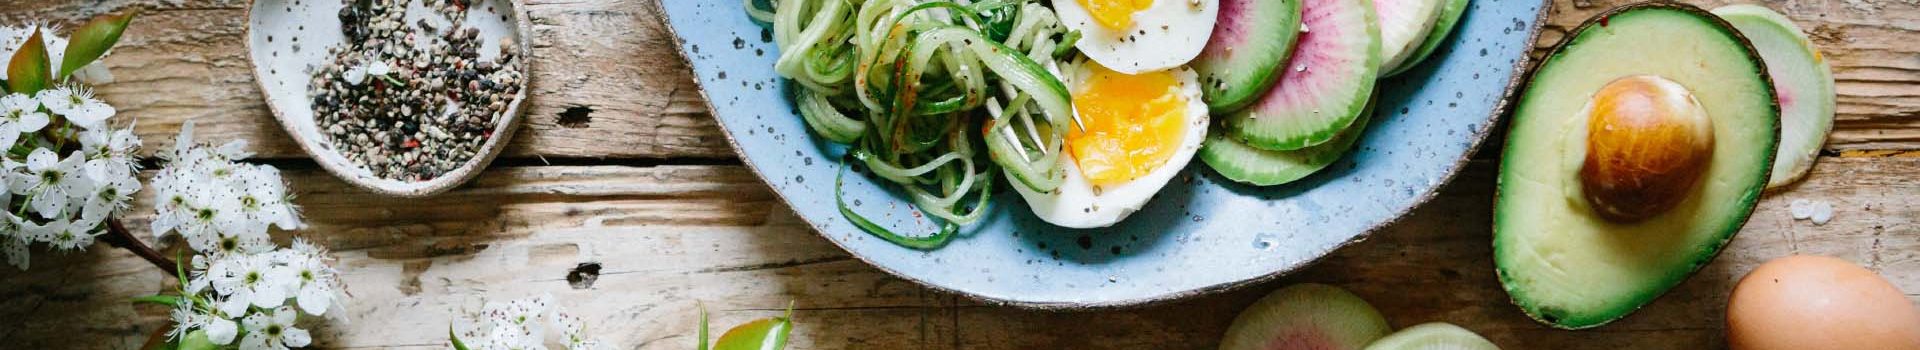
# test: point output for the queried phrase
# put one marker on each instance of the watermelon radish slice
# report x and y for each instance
(1325, 83)
(1260, 167)
(1306, 316)
(1404, 24)
(1250, 41)
(1802, 81)
(1433, 336)
(1449, 16)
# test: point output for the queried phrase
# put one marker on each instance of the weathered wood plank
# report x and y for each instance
(609, 63)
(669, 236)
(1869, 43)
(185, 60)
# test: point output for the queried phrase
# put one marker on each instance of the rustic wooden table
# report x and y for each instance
(618, 165)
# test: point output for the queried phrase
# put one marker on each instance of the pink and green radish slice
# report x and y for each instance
(1802, 81)
(1323, 86)
(1306, 316)
(1433, 336)
(1261, 167)
(1250, 41)
(1404, 24)
(1448, 18)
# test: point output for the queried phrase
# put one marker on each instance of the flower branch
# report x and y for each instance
(118, 236)
(66, 173)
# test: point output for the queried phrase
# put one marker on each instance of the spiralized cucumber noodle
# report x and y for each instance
(915, 88)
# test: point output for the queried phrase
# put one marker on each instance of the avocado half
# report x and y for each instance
(1560, 262)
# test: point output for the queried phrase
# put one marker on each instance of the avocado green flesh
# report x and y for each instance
(1803, 81)
(1560, 262)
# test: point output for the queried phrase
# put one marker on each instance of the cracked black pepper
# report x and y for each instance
(411, 101)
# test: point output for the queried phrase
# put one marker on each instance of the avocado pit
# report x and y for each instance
(1647, 143)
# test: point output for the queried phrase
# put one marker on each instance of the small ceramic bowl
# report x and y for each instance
(288, 39)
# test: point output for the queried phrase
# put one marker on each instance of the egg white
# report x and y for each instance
(1165, 35)
(1077, 203)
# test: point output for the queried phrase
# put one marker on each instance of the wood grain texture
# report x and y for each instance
(610, 63)
(1869, 43)
(608, 66)
(667, 237)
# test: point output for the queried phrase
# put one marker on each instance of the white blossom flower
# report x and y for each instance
(182, 143)
(508, 337)
(273, 330)
(232, 305)
(77, 104)
(573, 331)
(109, 196)
(208, 197)
(233, 151)
(223, 209)
(14, 240)
(314, 291)
(263, 198)
(10, 39)
(519, 324)
(186, 318)
(254, 279)
(51, 182)
(71, 235)
(197, 269)
(110, 154)
(221, 330)
(302, 246)
(19, 114)
(524, 313)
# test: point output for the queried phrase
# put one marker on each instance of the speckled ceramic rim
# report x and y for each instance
(502, 131)
(1520, 68)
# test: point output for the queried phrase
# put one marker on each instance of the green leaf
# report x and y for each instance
(180, 270)
(762, 334)
(28, 69)
(457, 345)
(703, 327)
(168, 300)
(197, 340)
(92, 40)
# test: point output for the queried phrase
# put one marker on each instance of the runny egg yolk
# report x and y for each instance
(1115, 14)
(1131, 124)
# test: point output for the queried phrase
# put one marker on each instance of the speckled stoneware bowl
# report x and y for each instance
(1201, 234)
(288, 39)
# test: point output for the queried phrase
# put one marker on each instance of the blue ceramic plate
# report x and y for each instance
(1201, 234)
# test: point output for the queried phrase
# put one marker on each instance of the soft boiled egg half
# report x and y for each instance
(1136, 132)
(1137, 36)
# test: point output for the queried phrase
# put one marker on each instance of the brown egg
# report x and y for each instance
(1806, 302)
